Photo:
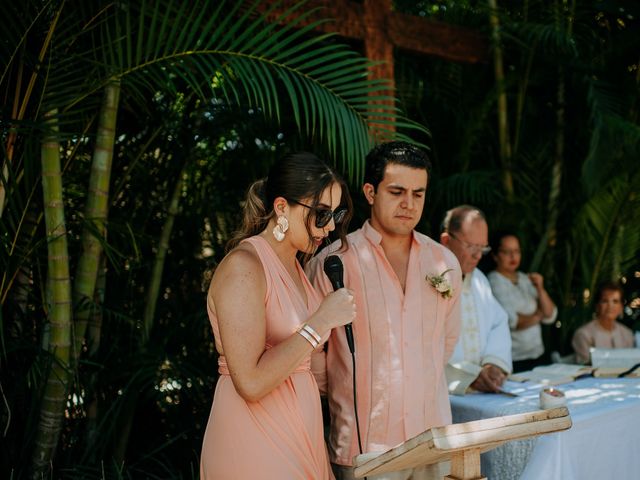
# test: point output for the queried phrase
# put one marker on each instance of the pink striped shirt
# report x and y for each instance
(403, 342)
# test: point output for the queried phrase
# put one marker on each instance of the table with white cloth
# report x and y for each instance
(604, 441)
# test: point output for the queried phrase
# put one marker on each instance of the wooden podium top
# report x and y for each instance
(442, 443)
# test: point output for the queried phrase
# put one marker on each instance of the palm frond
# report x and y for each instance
(547, 37)
(248, 60)
(615, 141)
(608, 227)
(478, 187)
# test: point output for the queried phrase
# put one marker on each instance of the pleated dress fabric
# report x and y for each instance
(281, 435)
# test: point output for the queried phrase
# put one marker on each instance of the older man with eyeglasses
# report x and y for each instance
(482, 358)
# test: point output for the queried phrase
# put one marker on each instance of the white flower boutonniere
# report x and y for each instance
(441, 284)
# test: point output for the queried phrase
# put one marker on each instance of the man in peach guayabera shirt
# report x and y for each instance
(406, 287)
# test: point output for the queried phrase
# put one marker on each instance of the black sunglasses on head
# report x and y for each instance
(324, 215)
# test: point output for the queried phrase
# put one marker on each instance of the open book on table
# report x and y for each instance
(612, 362)
(615, 372)
(614, 357)
(554, 374)
(559, 373)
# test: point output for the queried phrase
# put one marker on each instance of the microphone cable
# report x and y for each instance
(355, 400)
(334, 271)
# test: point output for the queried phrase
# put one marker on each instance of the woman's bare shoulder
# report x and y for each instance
(241, 266)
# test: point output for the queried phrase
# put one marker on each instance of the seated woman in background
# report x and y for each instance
(604, 331)
(524, 298)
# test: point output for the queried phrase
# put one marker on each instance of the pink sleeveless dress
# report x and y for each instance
(279, 437)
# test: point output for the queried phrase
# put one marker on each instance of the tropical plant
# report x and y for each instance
(90, 66)
(567, 102)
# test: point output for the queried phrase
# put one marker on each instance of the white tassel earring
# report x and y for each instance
(281, 228)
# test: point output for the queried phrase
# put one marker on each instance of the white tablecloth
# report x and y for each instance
(604, 441)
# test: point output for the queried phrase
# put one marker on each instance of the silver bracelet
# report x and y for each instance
(307, 336)
(309, 329)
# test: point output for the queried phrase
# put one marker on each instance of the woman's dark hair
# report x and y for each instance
(297, 177)
(607, 286)
(401, 153)
(495, 239)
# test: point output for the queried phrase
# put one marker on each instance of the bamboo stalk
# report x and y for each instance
(503, 113)
(95, 215)
(94, 331)
(549, 235)
(55, 390)
(155, 282)
(153, 292)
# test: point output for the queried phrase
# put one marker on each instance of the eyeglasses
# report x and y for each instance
(472, 248)
(324, 215)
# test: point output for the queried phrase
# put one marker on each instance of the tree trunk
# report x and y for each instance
(95, 215)
(94, 331)
(4, 180)
(94, 327)
(55, 390)
(153, 291)
(549, 235)
(503, 113)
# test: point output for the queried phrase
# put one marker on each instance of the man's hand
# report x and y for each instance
(490, 379)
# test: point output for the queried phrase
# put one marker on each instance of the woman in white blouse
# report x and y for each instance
(524, 298)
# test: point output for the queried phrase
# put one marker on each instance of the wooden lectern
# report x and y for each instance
(462, 443)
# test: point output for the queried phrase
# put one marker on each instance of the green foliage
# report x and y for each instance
(589, 49)
(210, 93)
(243, 61)
(215, 94)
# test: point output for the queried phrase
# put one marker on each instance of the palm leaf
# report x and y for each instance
(614, 138)
(608, 230)
(265, 65)
(478, 187)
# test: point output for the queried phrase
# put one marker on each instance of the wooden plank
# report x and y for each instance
(429, 37)
(438, 444)
(465, 465)
(502, 434)
(377, 44)
(347, 16)
(499, 422)
(408, 32)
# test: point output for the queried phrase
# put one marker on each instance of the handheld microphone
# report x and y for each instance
(334, 270)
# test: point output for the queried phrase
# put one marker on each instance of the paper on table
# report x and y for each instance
(554, 374)
(541, 378)
(564, 369)
(615, 357)
(614, 372)
(513, 388)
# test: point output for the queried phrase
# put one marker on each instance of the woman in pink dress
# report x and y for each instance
(266, 421)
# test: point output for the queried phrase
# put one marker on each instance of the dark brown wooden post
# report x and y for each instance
(380, 29)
